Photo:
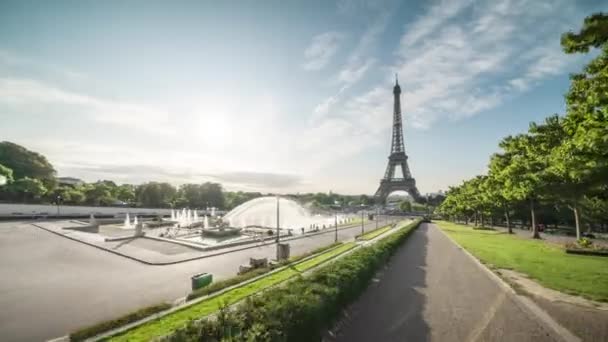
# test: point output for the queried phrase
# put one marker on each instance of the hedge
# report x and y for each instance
(93, 330)
(305, 308)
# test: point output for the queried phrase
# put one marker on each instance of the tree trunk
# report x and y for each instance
(476, 219)
(535, 233)
(508, 221)
(482, 220)
(576, 222)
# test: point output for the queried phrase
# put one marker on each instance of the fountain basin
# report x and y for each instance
(221, 232)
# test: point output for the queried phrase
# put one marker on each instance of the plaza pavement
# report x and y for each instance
(432, 291)
(51, 285)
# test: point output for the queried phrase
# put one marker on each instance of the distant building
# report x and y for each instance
(69, 181)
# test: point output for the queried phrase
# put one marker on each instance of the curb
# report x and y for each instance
(253, 245)
(521, 301)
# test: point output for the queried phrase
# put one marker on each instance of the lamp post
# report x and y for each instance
(362, 220)
(377, 216)
(336, 225)
(58, 200)
(278, 225)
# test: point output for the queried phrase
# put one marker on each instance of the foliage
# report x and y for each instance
(24, 162)
(584, 242)
(545, 262)
(406, 206)
(28, 188)
(178, 319)
(561, 162)
(90, 331)
(6, 173)
(155, 194)
(303, 310)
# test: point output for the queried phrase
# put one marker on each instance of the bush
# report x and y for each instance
(84, 333)
(584, 242)
(305, 308)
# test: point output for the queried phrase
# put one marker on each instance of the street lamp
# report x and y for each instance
(362, 212)
(278, 226)
(377, 216)
(336, 225)
(58, 199)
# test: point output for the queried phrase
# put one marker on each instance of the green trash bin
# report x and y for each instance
(201, 280)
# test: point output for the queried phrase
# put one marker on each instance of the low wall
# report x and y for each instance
(30, 210)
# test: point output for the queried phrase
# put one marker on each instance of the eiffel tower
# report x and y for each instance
(397, 158)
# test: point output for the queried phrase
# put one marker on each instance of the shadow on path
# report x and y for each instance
(392, 308)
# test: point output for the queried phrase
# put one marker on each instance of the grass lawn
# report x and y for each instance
(545, 262)
(178, 319)
(374, 233)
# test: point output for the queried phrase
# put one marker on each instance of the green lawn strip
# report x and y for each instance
(177, 319)
(225, 283)
(545, 262)
(374, 233)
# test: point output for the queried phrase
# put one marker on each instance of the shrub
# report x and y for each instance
(84, 333)
(584, 242)
(302, 310)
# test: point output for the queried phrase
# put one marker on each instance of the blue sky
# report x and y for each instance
(285, 96)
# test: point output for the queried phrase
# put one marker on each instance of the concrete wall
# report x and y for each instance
(66, 210)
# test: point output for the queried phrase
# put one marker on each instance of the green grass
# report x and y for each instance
(374, 233)
(356, 220)
(178, 319)
(545, 262)
(222, 284)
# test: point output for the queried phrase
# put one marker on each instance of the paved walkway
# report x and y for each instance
(432, 291)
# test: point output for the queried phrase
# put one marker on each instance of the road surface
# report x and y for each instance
(432, 291)
(50, 285)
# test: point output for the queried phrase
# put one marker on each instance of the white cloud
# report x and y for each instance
(320, 51)
(358, 63)
(24, 93)
(461, 58)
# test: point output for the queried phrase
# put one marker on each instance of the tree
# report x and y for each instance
(495, 187)
(125, 193)
(29, 188)
(405, 206)
(212, 195)
(6, 175)
(99, 193)
(582, 160)
(24, 162)
(156, 195)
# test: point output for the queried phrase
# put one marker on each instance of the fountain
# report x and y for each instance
(262, 212)
(206, 222)
(135, 221)
(127, 223)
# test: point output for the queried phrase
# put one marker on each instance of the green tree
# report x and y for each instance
(406, 206)
(125, 193)
(6, 175)
(28, 188)
(24, 162)
(156, 195)
(581, 162)
(99, 193)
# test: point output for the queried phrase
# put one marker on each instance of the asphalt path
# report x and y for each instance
(50, 285)
(432, 291)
